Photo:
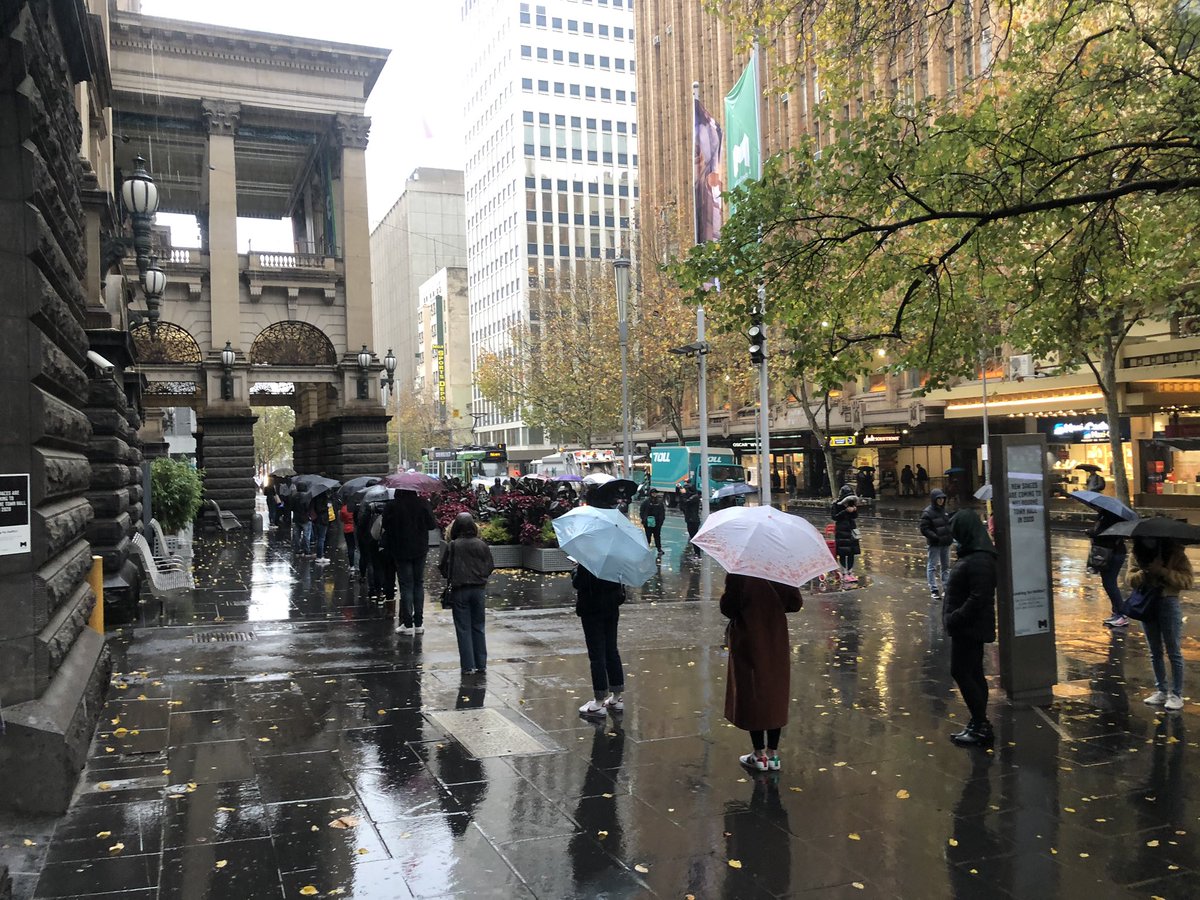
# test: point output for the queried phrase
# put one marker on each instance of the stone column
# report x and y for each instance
(358, 445)
(53, 669)
(221, 119)
(228, 462)
(353, 232)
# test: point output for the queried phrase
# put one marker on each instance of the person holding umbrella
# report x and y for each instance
(1106, 557)
(1160, 565)
(690, 504)
(845, 520)
(653, 510)
(969, 616)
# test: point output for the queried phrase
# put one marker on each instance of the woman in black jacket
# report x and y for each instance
(598, 605)
(845, 520)
(653, 511)
(969, 614)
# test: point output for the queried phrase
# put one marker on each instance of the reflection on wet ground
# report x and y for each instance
(305, 759)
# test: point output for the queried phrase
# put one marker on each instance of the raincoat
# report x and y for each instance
(758, 684)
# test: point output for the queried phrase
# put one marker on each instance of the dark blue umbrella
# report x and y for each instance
(1102, 503)
(734, 490)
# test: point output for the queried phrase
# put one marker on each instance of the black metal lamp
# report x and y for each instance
(389, 366)
(228, 356)
(364, 369)
(139, 194)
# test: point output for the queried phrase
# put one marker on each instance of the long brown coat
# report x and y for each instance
(758, 686)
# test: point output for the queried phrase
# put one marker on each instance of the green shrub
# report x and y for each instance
(549, 535)
(493, 531)
(176, 492)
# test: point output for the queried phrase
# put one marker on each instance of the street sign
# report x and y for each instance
(14, 514)
(843, 440)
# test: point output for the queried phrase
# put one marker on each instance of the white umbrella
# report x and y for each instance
(607, 544)
(598, 478)
(766, 543)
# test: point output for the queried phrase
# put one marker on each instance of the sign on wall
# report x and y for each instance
(14, 514)
(843, 440)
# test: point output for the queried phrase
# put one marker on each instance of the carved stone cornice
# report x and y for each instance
(221, 116)
(352, 131)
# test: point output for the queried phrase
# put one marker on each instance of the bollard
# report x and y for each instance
(96, 580)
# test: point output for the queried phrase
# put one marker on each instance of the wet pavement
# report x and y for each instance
(272, 738)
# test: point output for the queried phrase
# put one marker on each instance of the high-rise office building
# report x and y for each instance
(422, 233)
(551, 172)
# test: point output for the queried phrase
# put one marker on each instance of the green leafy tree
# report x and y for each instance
(176, 492)
(1033, 206)
(273, 435)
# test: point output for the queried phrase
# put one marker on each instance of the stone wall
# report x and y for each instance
(343, 447)
(52, 667)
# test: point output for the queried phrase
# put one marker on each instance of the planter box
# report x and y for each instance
(506, 556)
(545, 559)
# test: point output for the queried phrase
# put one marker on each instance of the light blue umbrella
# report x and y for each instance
(607, 544)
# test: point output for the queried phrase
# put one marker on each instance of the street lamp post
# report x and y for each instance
(364, 369)
(699, 349)
(228, 357)
(389, 366)
(621, 273)
(139, 195)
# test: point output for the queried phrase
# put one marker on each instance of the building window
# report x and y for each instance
(589, 92)
(541, 53)
(573, 58)
(527, 84)
(588, 28)
(526, 51)
(574, 90)
(604, 31)
(524, 13)
(605, 94)
(543, 87)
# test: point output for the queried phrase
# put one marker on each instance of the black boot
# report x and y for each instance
(976, 734)
(958, 735)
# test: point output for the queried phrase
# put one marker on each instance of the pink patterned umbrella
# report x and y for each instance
(765, 543)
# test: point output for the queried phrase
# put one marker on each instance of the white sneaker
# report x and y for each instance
(1158, 698)
(593, 708)
(404, 629)
(322, 561)
(754, 762)
(615, 704)
(1174, 703)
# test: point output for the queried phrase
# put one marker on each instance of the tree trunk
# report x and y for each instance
(821, 434)
(1108, 386)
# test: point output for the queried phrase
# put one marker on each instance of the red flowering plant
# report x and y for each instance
(524, 515)
(450, 503)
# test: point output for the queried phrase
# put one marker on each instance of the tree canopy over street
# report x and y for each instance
(1047, 202)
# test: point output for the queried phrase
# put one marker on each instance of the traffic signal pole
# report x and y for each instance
(705, 479)
(764, 406)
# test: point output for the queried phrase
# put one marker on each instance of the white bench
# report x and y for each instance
(165, 576)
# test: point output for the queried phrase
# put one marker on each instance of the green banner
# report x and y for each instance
(743, 152)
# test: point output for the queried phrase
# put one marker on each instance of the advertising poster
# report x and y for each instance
(14, 514)
(1027, 537)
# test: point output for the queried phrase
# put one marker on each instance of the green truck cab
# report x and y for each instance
(673, 466)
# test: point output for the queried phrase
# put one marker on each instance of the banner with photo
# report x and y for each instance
(707, 184)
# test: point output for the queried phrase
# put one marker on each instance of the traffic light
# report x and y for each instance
(758, 343)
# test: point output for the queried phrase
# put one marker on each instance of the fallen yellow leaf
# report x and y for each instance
(1151, 843)
(902, 794)
(854, 836)
(308, 890)
(222, 863)
(344, 822)
(363, 851)
(735, 864)
(952, 842)
(640, 868)
(602, 834)
(104, 834)
(116, 848)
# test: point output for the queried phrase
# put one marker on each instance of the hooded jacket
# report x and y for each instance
(935, 521)
(407, 521)
(969, 608)
(845, 520)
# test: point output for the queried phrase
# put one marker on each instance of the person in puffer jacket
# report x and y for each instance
(969, 615)
(935, 527)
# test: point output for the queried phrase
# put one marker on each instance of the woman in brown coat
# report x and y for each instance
(758, 688)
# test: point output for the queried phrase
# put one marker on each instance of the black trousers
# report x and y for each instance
(763, 739)
(966, 667)
(692, 528)
(654, 536)
(600, 635)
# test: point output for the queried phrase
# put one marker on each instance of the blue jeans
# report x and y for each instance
(1165, 631)
(411, 573)
(1108, 579)
(937, 556)
(469, 601)
(301, 536)
(322, 530)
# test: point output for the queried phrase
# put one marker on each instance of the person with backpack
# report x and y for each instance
(374, 565)
(466, 564)
(1106, 556)
(935, 527)
(653, 511)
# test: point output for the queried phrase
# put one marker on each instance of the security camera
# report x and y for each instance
(105, 367)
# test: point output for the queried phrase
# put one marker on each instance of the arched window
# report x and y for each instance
(170, 345)
(292, 344)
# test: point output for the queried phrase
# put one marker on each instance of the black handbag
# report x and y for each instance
(1142, 604)
(448, 590)
(1099, 557)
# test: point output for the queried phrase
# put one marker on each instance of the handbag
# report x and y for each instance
(448, 590)
(376, 528)
(332, 515)
(1142, 604)
(1099, 557)
(855, 533)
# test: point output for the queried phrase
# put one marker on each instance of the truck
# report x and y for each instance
(577, 462)
(672, 466)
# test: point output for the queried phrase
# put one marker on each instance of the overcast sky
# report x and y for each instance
(416, 107)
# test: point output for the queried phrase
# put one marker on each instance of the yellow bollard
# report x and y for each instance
(96, 580)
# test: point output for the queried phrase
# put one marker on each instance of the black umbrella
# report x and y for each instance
(611, 492)
(1102, 503)
(1088, 467)
(315, 484)
(954, 470)
(1160, 527)
(352, 491)
(285, 472)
